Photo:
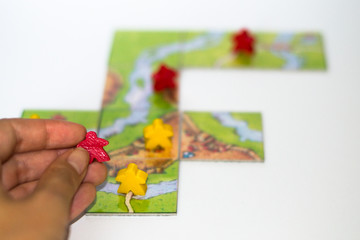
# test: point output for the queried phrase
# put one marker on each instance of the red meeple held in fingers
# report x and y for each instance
(164, 78)
(243, 42)
(94, 146)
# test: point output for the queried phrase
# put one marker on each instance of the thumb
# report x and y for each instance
(61, 180)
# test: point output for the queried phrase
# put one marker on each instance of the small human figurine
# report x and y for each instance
(242, 52)
(158, 136)
(243, 42)
(132, 182)
(94, 146)
(34, 116)
(164, 78)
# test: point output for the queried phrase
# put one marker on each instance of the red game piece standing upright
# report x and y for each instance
(94, 146)
(164, 78)
(243, 42)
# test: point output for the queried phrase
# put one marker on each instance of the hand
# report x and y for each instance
(45, 182)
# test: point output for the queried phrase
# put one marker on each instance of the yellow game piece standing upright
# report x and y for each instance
(34, 116)
(158, 136)
(133, 182)
(132, 179)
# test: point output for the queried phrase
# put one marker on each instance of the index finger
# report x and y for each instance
(26, 135)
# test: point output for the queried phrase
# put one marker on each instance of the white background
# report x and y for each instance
(53, 55)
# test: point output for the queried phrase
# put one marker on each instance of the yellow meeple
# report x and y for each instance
(157, 135)
(132, 179)
(34, 116)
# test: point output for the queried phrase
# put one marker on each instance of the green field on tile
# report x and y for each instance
(206, 122)
(88, 119)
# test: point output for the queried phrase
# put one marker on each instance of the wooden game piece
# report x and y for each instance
(132, 179)
(34, 116)
(243, 42)
(164, 78)
(133, 182)
(94, 146)
(158, 135)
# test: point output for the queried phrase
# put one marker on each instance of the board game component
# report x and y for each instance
(243, 42)
(203, 141)
(94, 146)
(35, 116)
(158, 136)
(132, 182)
(164, 78)
(132, 179)
(129, 102)
(128, 197)
(187, 154)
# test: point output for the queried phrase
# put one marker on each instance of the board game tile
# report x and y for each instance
(160, 197)
(144, 49)
(131, 87)
(88, 119)
(291, 51)
(222, 136)
(124, 131)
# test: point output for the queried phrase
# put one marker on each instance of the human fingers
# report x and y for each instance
(26, 167)
(96, 173)
(45, 214)
(24, 135)
(23, 190)
(83, 198)
(60, 182)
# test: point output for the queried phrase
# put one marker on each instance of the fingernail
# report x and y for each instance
(79, 159)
